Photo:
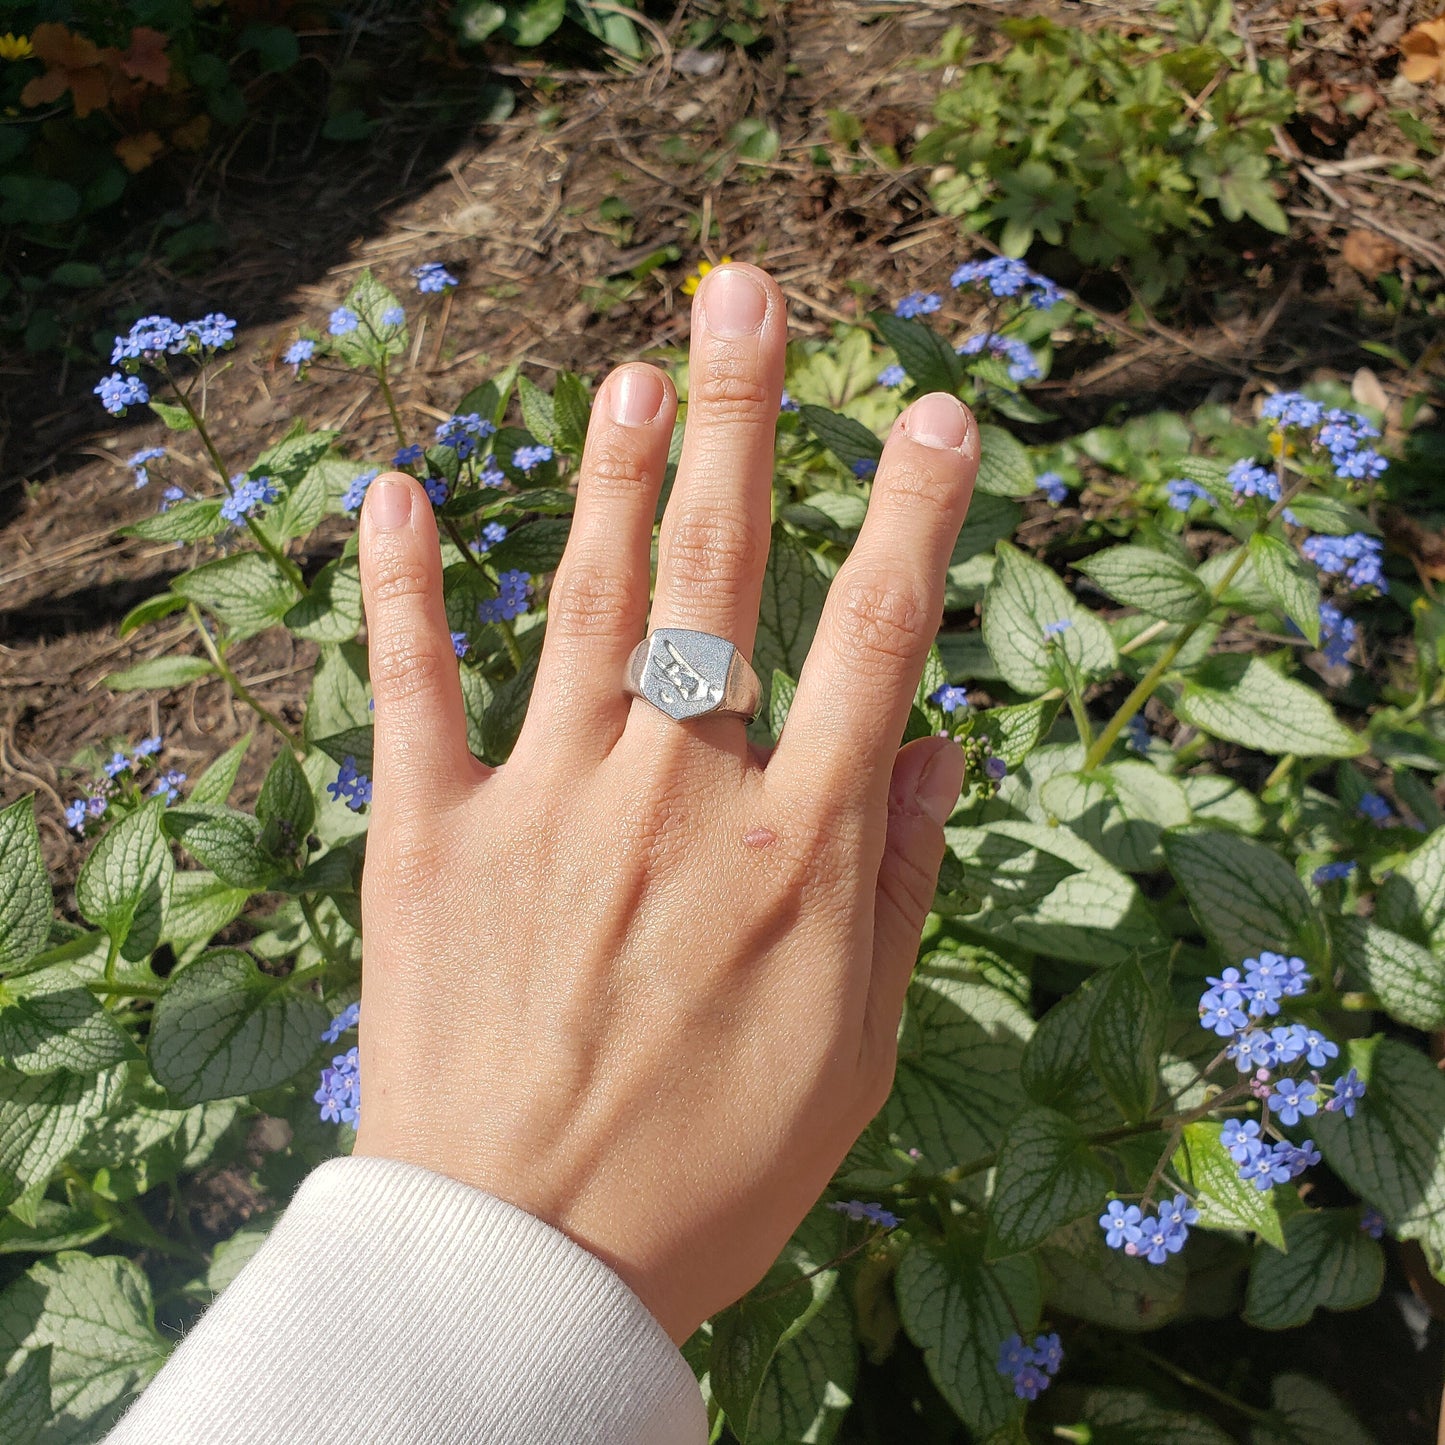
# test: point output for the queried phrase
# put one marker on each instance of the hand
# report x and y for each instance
(644, 981)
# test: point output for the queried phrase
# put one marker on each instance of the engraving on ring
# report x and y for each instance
(681, 684)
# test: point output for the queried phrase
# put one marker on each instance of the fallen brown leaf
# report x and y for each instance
(1370, 253)
(1424, 52)
(1426, 549)
(136, 152)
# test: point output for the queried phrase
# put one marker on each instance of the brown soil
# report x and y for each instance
(515, 209)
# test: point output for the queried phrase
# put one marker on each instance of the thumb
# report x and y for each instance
(421, 747)
(927, 779)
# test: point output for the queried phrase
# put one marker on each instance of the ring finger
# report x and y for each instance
(713, 546)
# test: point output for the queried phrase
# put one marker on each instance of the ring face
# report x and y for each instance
(685, 672)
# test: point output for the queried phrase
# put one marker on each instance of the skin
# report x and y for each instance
(644, 980)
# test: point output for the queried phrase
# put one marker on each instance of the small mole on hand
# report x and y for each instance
(759, 837)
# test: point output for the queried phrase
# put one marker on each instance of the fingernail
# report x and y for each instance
(733, 302)
(940, 783)
(389, 503)
(635, 396)
(937, 420)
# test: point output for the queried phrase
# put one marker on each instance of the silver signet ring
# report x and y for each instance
(686, 674)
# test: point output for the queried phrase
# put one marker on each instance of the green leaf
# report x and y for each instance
(809, 1384)
(850, 441)
(331, 611)
(42, 1118)
(1131, 1417)
(215, 784)
(1245, 896)
(794, 590)
(1390, 1153)
(1290, 581)
(1046, 1177)
(572, 410)
(1332, 1264)
(371, 342)
(1022, 598)
(340, 691)
(1307, 1413)
(1126, 1036)
(957, 1086)
(1084, 1278)
(1120, 809)
(176, 418)
(97, 1318)
(200, 907)
(1224, 1200)
(164, 672)
(226, 841)
(507, 710)
(1015, 731)
(286, 797)
(1154, 582)
(745, 1338)
(26, 906)
(958, 1310)
(780, 699)
(1004, 468)
(232, 1255)
(184, 522)
(151, 610)
(1244, 700)
(535, 547)
(246, 590)
(1412, 899)
(1408, 979)
(354, 743)
(223, 1028)
(25, 1397)
(1056, 1068)
(931, 363)
(530, 22)
(125, 883)
(539, 414)
(1094, 915)
(49, 1020)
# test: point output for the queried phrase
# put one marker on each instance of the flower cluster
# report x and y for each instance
(433, 276)
(1263, 1164)
(350, 787)
(1182, 494)
(1333, 872)
(140, 463)
(1053, 486)
(346, 1020)
(526, 458)
(982, 770)
(121, 769)
(511, 599)
(858, 1209)
(1375, 808)
(864, 468)
(1006, 277)
(299, 353)
(247, 493)
(463, 433)
(918, 303)
(1248, 479)
(148, 342)
(1340, 433)
(1023, 365)
(340, 1091)
(355, 494)
(890, 376)
(1033, 1367)
(1357, 557)
(1148, 1236)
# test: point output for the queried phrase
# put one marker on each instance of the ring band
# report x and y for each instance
(686, 674)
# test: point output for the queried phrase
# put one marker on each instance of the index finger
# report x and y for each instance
(884, 606)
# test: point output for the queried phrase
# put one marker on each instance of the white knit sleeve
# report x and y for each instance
(394, 1304)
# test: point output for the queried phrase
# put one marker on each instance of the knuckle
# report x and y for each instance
(615, 472)
(707, 548)
(587, 597)
(727, 390)
(908, 886)
(881, 618)
(914, 485)
(404, 666)
(399, 576)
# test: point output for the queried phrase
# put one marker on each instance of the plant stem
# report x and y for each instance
(514, 648)
(1081, 718)
(126, 990)
(1146, 685)
(386, 392)
(1203, 1386)
(111, 955)
(287, 566)
(1281, 768)
(239, 688)
(318, 936)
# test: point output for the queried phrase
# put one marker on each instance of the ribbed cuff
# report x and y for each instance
(391, 1303)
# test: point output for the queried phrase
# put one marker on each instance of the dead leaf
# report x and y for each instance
(193, 135)
(136, 152)
(1424, 52)
(1426, 549)
(146, 59)
(1365, 389)
(72, 63)
(1370, 253)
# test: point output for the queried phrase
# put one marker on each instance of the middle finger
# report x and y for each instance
(713, 546)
